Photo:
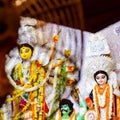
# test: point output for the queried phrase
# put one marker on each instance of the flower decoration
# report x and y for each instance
(39, 64)
(55, 38)
(103, 99)
(71, 81)
(67, 53)
(52, 47)
(71, 68)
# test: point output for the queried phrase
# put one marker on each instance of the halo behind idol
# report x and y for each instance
(96, 63)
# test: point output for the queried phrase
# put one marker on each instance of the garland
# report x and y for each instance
(23, 110)
(26, 88)
(103, 100)
(59, 86)
(1, 115)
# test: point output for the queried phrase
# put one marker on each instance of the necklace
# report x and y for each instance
(101, 89)
(101, 94)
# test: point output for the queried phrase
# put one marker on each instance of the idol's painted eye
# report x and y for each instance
(97, 77)
(26, 50)
(103, 76)
(100, 76)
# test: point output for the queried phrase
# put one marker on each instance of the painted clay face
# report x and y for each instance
(101, 79)
(65, 110)
(25, 53)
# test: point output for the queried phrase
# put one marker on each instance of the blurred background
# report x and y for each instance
(90, 15)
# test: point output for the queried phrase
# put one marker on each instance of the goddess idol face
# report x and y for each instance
(101, 78)
(25, 53)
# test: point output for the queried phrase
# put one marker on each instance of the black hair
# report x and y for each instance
(25, 45)
(68, 102)
(102, 72)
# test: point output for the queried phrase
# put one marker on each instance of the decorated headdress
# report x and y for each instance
(29, 33)
(96, 63)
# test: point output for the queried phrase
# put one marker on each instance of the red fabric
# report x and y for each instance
(46, 109)
(89, 103)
